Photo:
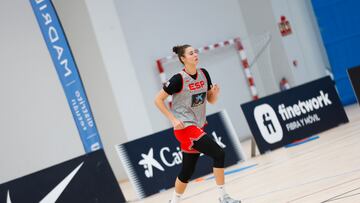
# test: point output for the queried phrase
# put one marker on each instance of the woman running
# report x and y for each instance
(191, 88)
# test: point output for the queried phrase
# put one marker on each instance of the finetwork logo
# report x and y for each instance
(268, 123)
(304, 107)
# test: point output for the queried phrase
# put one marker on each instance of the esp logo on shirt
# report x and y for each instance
(196, 85)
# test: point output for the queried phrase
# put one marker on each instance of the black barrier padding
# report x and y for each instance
(93, 182)
(300, 99)
(354, 74)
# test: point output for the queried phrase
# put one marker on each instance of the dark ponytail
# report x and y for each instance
(180, 51)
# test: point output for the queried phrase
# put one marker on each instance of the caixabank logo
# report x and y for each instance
(168, 158)
(295, 114)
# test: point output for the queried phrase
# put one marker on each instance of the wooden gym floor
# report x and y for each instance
(323, 170)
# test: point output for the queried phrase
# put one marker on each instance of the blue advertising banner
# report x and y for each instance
(294, 114)
(66, 69)
(153, 162)
(87, 178)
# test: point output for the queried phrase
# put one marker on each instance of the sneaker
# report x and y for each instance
(228, 199)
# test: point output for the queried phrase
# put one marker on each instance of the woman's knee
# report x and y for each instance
(188, 167)
(185, 174)
(219, 158)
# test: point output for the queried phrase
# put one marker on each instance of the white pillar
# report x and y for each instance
(122, 76)
(99, 47)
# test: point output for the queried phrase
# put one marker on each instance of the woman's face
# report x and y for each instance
(190, 57)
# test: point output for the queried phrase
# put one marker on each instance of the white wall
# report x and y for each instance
(152, 28)
(302, 45)
(37, 129)
(309, 40)
(271, 65)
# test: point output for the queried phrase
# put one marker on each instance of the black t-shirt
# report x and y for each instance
(174, 85)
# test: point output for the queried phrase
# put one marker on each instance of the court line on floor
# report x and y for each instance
(281, 189)
(302, 184)
(324, 189)
(352, 195)
(337, 196)
(229, 172)
(301, 142)
(264, 166)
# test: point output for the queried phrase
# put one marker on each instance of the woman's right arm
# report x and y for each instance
(159, 102)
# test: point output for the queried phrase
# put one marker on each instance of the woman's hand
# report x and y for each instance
(213, 94)
(215, 89)
(178, 125)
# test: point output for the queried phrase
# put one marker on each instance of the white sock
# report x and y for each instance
(222, 191)
(176, 197)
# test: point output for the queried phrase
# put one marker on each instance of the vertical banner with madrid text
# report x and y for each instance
(66, 69)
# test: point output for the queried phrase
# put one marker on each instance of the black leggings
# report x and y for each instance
(206, 146)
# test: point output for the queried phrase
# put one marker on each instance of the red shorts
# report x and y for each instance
(187, 136)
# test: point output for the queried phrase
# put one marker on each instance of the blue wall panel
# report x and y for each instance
(339, 24)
